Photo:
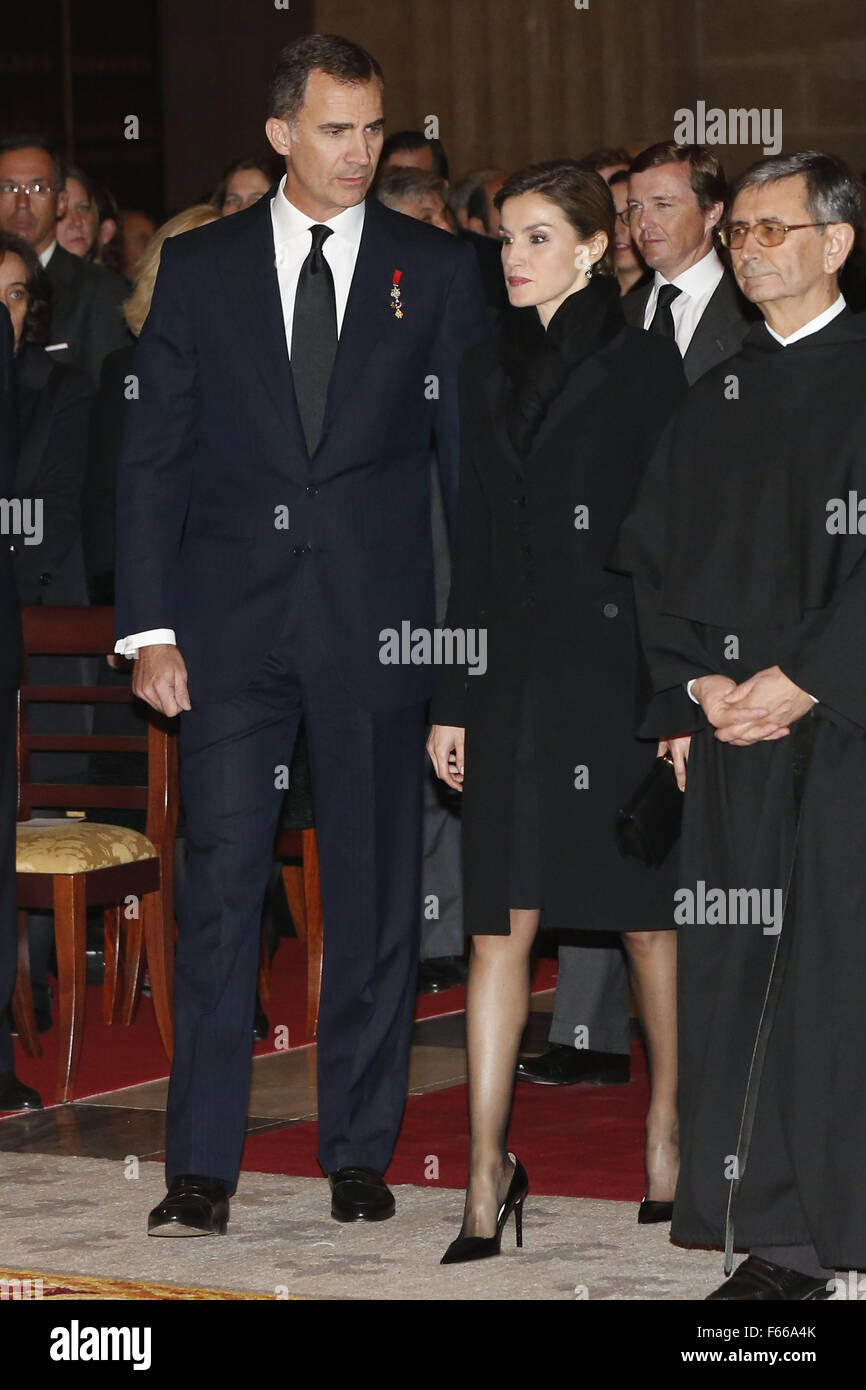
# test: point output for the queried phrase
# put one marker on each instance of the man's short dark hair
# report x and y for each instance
(335, 56)
(621, 176)
(602, 158)
(415, 140)
(29, 140)
(832, 192)
(706, 175)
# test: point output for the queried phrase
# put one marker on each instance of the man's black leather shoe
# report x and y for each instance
(441, 973)
(756, 1280)
(14, 1095)
(193, 1206)
(568, 1066)
(360, 1194)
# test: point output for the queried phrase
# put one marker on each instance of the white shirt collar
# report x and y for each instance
(813, 325)
(700, 278)
(290, 222)
(45, 256)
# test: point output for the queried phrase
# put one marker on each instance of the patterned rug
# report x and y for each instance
(26, 1284)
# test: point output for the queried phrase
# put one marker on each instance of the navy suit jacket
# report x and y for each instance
(214, 454)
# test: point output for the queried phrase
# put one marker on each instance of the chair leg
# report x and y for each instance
(132, 957)
(314, 932)
(22, 998)
(293, 883)
(113, 979)
(70, 935)
(159, 946)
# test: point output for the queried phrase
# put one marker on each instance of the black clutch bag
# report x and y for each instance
(648, 825)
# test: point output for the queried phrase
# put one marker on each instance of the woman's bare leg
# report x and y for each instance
(653, 966)
(497, 1007)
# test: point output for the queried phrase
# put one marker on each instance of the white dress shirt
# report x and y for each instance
(697, 285)
(292, 242)
(45, 256)
(813, 326)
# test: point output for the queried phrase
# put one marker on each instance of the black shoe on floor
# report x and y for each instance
(193, 1206)
(440, 973)
(756, 1280)
(568, 1066)
(14, 1095)
(360, 1194)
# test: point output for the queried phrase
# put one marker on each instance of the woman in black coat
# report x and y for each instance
(559, 414)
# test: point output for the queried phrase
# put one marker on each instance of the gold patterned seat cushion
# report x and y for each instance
(72, 847)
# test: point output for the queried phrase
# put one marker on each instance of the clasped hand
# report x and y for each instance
(759, 709)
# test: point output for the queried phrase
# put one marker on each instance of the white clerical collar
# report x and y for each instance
(45, 256)
(700, 278)
(290, 222)
(813, 325)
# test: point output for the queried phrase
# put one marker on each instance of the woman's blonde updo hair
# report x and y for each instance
(137, 307)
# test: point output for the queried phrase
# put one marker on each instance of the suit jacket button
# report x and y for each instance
(312, 490)
(45, 579)
(610, 610)
(300, 549)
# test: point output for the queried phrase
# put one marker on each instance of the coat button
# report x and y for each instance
(45, 579)
(312, 490)
(610, 610)
(300, 549)
(520, 501)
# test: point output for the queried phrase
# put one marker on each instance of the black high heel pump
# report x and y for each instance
(481, 1247)
(650, 1212)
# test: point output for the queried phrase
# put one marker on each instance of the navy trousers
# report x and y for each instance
(367, 796)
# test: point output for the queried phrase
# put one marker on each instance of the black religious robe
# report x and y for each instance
(747, 545)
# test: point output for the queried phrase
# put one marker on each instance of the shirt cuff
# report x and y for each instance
(689, 685)
(128, 646)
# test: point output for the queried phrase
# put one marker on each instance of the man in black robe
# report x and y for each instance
(748, 549)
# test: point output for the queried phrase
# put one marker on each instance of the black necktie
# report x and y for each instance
(314, 337)
(662, 321)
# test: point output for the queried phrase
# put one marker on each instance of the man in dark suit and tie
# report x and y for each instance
(273, 523)
(86, 317)
(676, 196)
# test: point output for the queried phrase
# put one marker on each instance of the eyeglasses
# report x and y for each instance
(733, 234)
(38, 189)
(624, 217)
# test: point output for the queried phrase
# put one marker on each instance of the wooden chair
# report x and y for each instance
(70, 865)
(300, 855)
(297, 849)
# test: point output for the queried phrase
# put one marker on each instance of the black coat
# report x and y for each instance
(10, 620)
(736, 570)
(53, 411)
(524, 572)
(86, 312)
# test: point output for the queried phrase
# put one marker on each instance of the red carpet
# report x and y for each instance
(112, 1058)
(575, 1141)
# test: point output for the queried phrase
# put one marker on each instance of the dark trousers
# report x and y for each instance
(8, 918)
(367, 789)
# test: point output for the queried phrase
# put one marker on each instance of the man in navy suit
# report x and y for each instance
(273, 520)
